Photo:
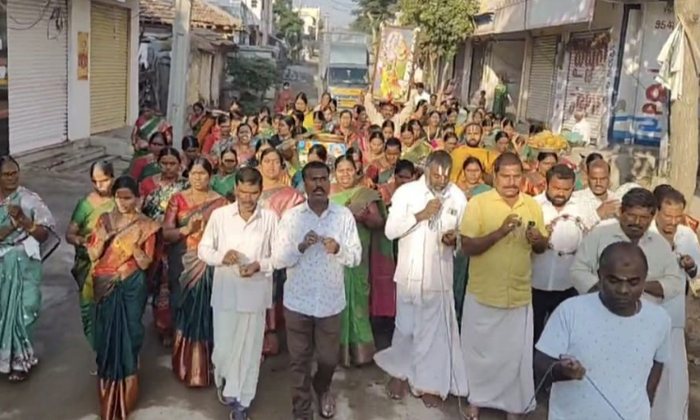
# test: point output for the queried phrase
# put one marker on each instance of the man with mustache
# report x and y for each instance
(315, 242)
(673, 393)
(665, 280)
(238, 243)
(566, 219)
(605, 351)
(598, 197)
(501, 229)
(472, 137)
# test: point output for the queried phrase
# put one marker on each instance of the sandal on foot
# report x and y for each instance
(326, 405)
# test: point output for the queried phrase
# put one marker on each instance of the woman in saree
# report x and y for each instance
(319, 123)
(190, 278)
(362, 178)
(25, 225)
(351, 137)
(535, 181)
(222, 132)
(325, 102)
(375, 161)
(285, 129)
(121, 249)
(279, 197)
(412, 149)
(82, 223)
(197, 118)
(369, 288)
(404, 172)
(433, 129)
(392, 154)
(156, 192)
(472, 185)
(139, 165)
(265, 130)
(224, 181)
(417, 129)
(145, 127)
(301, 104)
(244, 147)
(450, 141)
(361, 119)
(388, 129)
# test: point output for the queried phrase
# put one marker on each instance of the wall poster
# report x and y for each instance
(83, 55)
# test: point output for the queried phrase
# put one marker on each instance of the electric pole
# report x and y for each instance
(684, 136)
(179, 65)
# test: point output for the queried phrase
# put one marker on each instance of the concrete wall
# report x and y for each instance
(79, 90)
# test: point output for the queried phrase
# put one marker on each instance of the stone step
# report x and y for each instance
(42, 154)
(66, 160)
(83, 166)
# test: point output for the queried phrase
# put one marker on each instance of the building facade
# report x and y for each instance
(69, 72)
(562, 57)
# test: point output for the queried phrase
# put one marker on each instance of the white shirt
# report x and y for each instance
(226, 231)
(315, 283)
(663, 264)
(425, 96)
(424, 262)
(617, 352)
(550, 270)
(586, 198)
(583, 128)
(685, 243)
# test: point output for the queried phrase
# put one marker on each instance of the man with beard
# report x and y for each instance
(672, 395)
(605, 351)
(565, 219)
(603, 202)
(472, 137)
(501, 229)
(665, 280)
(238, 243)
(315, 242)
(425, 356)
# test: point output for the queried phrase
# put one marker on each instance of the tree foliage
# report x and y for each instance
(289, 25)
(253, 77)
(370, 14)
(443, 24)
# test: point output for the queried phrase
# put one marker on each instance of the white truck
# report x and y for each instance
(344, 66)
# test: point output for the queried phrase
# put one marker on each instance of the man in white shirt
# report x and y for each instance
(605, 351)
(425, 355)
(421, 94)
(567, 222)
(672, 396)
(238, 243)
(315, 242)
(582, 127)
(665, 279)
(602, 203)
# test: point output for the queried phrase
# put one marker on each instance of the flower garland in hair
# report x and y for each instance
(564, 218)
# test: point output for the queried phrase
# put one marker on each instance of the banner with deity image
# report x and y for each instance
(394, 66)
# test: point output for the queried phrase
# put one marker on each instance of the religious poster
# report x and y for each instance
(83, 55)
(333, 144)
(394, 66)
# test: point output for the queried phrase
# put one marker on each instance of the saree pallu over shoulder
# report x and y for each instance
(20, 270)
(281, 199)
(417, 153)
(191, 285)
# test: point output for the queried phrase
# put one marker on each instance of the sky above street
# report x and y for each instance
(340, 11)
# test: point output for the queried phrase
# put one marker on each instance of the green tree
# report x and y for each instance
(370, 14)
(444, 25)
(253, 78)
(290, 26)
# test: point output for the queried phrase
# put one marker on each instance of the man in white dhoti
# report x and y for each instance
(238, 242)
(605, 351)
(671, 401)
(500, 230)
(425, 355)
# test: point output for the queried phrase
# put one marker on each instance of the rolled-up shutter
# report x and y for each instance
(541, 79)
(109, 67)
(37, 73)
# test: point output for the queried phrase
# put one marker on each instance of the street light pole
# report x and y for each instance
(179, 64)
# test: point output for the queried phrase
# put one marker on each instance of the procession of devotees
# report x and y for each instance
(439, 247)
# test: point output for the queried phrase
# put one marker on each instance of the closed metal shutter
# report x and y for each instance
(586, 79)
(541, 79)
(109, 67)
(37, 34)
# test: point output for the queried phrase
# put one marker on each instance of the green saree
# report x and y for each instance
(418, 153)
(224, 185)
(357, 339)
(20, 276)
(85, 217)
(149, 170)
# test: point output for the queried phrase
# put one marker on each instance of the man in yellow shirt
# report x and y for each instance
(500, 230)
(472, 134)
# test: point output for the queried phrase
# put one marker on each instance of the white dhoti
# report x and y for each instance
(671, 401)
(425, 350)
(497, 345)
(238, 342)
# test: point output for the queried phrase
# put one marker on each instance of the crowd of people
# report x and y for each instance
(497, 271)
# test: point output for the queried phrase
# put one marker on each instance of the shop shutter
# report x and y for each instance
(109, 68)
(541, 80)
(586, 80)
(37, 73)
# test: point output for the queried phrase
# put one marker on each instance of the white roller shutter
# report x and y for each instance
(586, 80)
(109, 67)
(37, 72)
(541, 79)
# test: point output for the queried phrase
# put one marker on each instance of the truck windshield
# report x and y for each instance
(346, 76)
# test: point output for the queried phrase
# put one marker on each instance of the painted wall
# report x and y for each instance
(521, 15)
(79, 90)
